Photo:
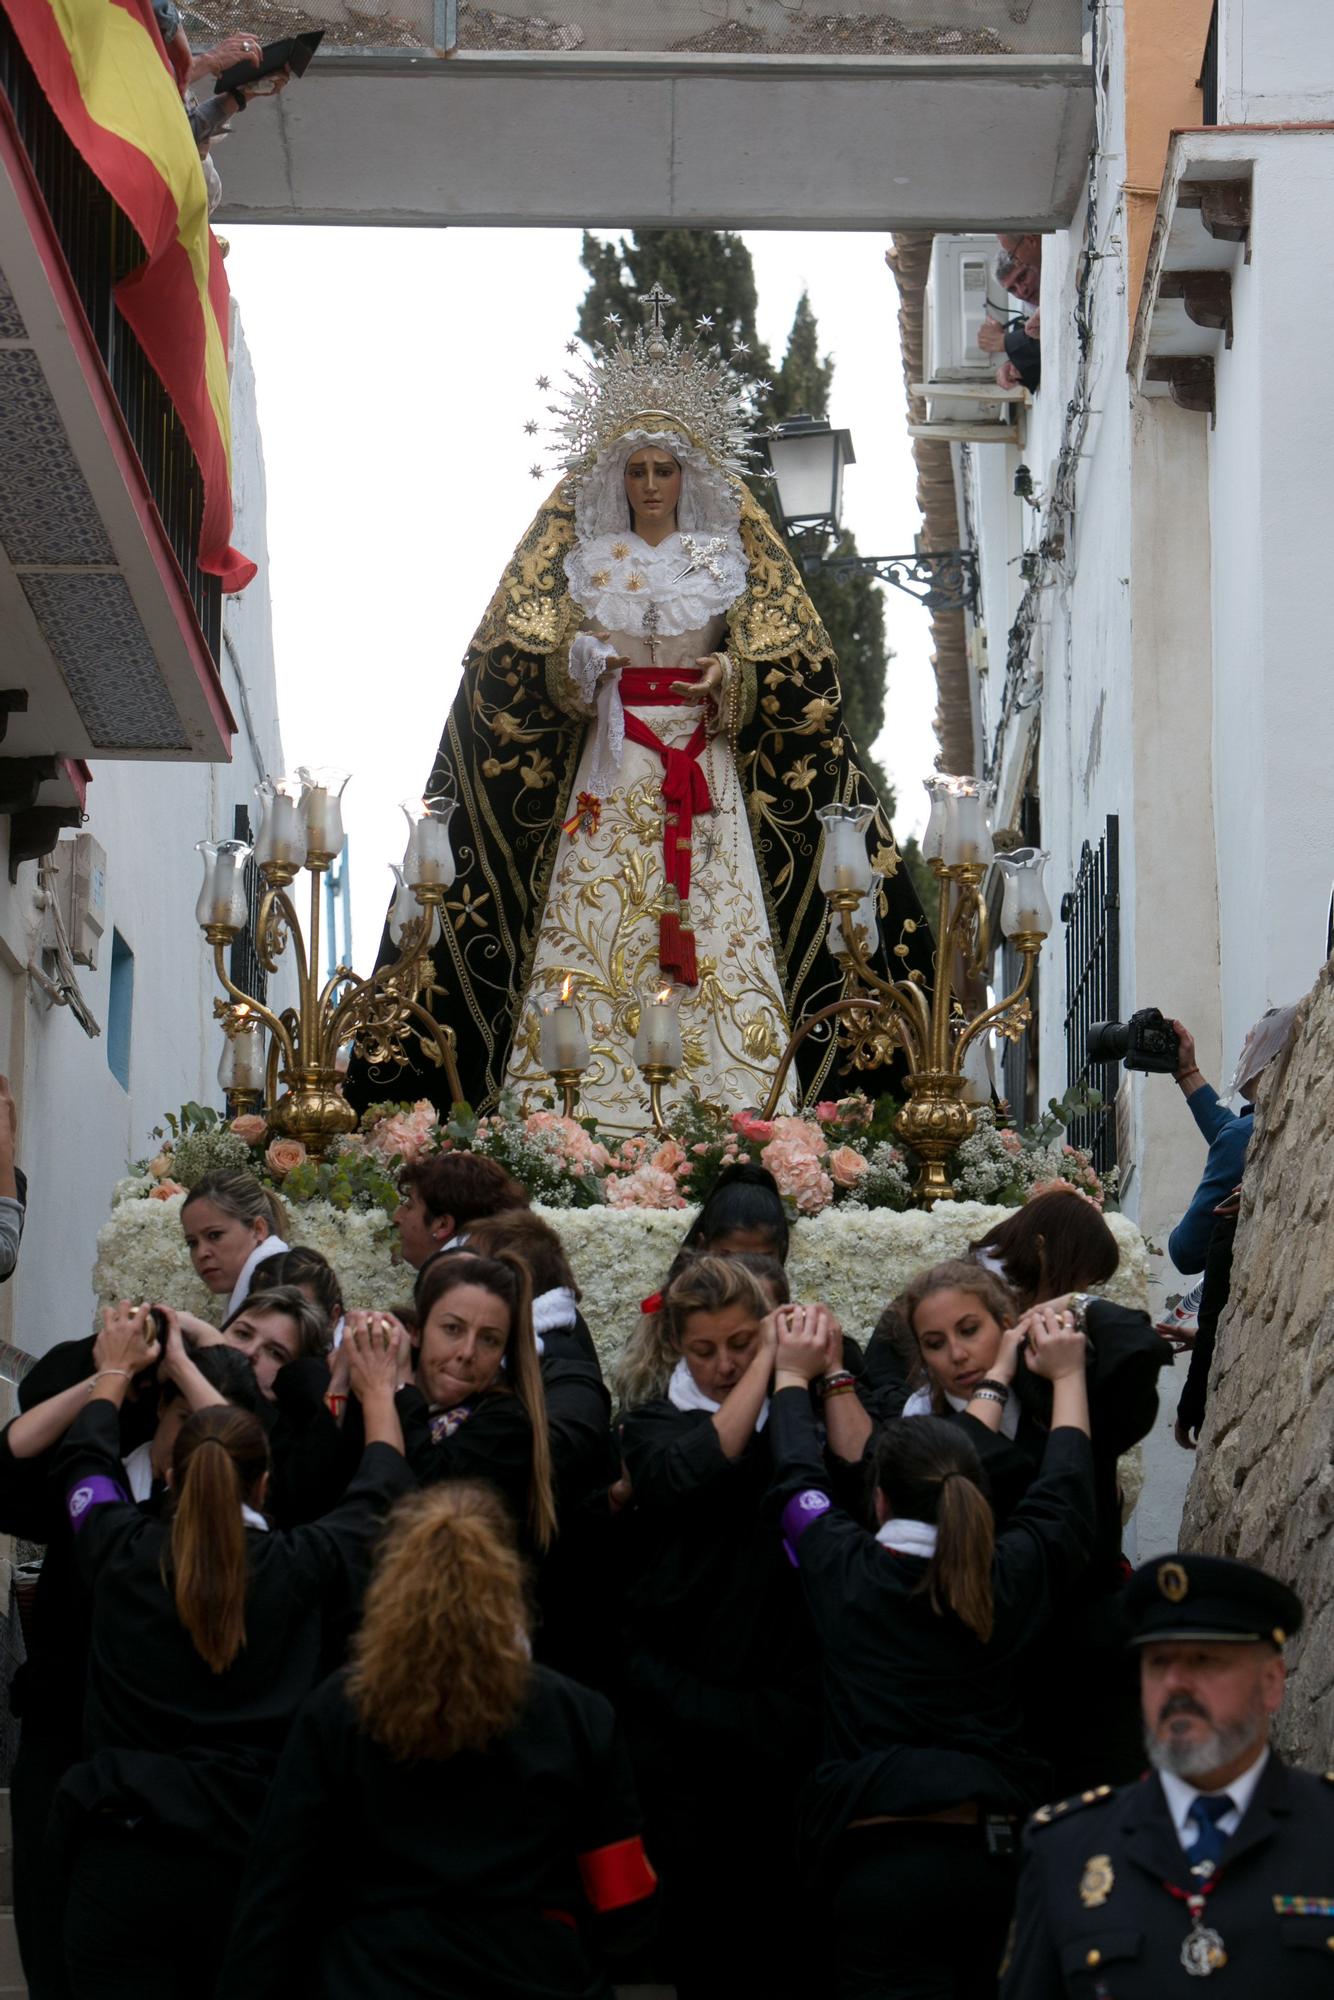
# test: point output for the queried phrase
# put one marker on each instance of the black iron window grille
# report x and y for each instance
(246, 970)
(1091, 913)
(1209, 70)
(100, 248)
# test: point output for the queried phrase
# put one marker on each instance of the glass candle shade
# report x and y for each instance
(659, 1038)
(564, 1044)
(844, 862)
(933, 840)
(967, 835)
(281, 841)
(977, 1085)
(244, 1054)
(405, 910)
(223, 902)
(322, 809)
(863, 918)
(428, 861)
(1024, 906)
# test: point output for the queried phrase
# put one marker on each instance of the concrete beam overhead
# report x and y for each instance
(786, 142)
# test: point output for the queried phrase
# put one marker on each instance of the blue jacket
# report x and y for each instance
(1228, 1134)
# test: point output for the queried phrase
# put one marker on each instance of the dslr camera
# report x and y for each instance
(1146, 1042)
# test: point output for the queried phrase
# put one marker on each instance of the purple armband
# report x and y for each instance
(98, 1491)
(802, 1511)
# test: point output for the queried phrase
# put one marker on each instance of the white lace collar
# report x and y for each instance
(691, 579)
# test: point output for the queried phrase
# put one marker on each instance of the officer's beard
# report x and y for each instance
(1196, 1756)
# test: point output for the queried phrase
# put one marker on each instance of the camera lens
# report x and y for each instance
(1108, 1041)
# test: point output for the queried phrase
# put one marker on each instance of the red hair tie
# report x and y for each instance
(652, 1304)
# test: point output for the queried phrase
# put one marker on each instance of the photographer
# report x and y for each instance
(1227, 1133)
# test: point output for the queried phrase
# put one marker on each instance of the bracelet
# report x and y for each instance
(108, 1371)
(848, 1388)
(986, 1396)
(994, 1382)
(836, 1380)
(1194, 1070)
(335, 1403)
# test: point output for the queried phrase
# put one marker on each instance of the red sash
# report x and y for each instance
(685, 792)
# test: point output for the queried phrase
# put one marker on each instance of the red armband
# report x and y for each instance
(616, 1875)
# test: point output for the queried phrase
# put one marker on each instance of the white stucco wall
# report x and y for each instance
(1273, 719)
(78, 1126)
(1276, 61)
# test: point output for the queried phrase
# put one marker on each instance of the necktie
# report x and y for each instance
(1204, 1815)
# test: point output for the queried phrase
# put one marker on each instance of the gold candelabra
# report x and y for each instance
(931, 1028)
(297, 1079)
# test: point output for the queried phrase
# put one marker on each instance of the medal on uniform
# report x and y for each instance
(1202, 1950)
(1095, 1884)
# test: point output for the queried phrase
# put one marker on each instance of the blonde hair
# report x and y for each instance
(441, 1662)
(237, 1193)
(703, 1284)
(959, 1274)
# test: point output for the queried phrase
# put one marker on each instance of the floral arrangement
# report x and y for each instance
(854, 1260)
(843, 1154)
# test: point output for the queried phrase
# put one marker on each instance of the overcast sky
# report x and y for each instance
(396, 369)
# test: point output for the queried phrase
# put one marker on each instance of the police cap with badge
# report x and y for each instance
(1188, 1596)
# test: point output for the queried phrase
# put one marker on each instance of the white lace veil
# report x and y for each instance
(709, 503)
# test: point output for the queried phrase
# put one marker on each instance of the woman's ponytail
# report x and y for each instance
(220, 1456)
(959, 1576)
(928, 1470)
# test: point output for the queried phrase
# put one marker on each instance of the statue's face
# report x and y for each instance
(652, 486)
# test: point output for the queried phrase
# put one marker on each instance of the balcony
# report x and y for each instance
(110, 630)
(750, 114)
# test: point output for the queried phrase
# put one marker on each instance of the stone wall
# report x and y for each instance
(1263, 1487)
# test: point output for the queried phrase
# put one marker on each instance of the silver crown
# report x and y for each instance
(652, 374)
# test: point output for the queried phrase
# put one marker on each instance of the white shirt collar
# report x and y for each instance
(919, 1405)
(272, 1246)
(684, 1393)
(1181, 1796)
(908, 1538)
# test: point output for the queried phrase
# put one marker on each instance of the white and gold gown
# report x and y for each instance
(607, 886)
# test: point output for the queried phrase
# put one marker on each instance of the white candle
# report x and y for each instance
(243, 1055)
(282, 831)
(564, 1044)
(223, 903)
(429, 860)
(967, 836)
(845, 864)
(322, 810)
(659, 1038)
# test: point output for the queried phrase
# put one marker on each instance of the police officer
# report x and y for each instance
(1221, 1859)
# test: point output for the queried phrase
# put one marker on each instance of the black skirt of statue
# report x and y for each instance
(509, 755)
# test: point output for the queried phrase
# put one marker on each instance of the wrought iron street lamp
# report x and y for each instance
(807, 458)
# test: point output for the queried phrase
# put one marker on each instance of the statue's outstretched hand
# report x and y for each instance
(706, 690)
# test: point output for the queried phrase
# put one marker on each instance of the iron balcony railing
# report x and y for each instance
(100, 249)
(1091, 913)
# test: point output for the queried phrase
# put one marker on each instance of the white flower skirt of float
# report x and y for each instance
(855, 1260)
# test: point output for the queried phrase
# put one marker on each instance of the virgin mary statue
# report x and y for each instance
(647, 725)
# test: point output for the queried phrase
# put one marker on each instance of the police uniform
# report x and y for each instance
(1110, 1906)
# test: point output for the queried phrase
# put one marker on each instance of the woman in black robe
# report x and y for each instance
(926, 1631)
(474, 1810)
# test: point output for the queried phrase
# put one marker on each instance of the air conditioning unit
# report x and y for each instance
(959, 289)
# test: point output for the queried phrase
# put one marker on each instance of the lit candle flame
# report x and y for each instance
(664, 996)
(565, 989)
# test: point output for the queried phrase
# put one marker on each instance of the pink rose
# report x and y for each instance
(165, 1190)
(801, 1133)
(750, 1127)
(670, 1158)
(828, 1113)
(847, 1166)
(646, 1187)
(800, 1177)
(250, 1127)
(161, 1166)
(283, 1155)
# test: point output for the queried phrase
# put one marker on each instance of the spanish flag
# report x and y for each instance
(104, 69)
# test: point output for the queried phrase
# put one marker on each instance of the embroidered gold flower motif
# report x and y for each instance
(601, 578)
(620, 550)
(634, 582)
